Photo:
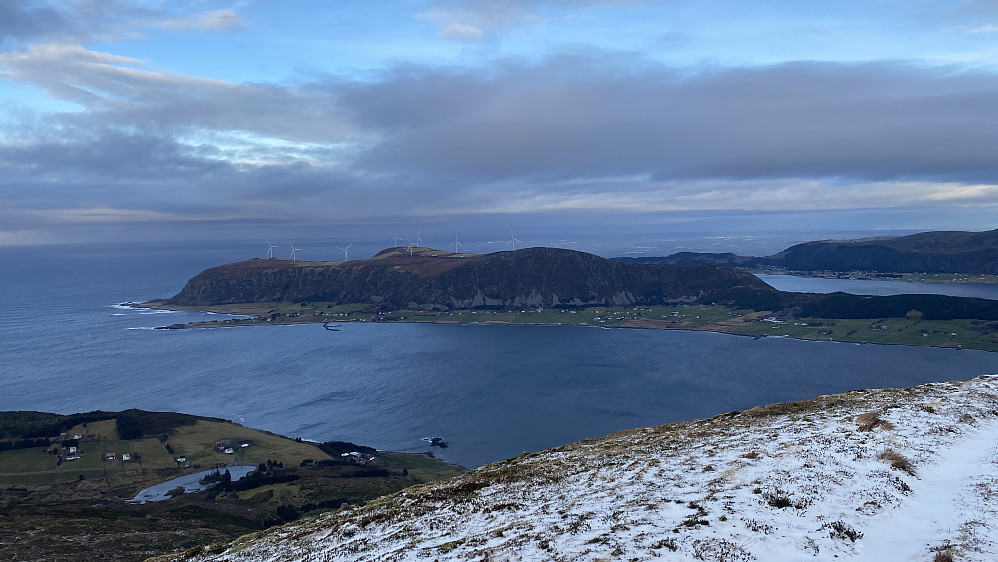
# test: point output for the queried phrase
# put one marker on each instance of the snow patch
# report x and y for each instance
(915, 475)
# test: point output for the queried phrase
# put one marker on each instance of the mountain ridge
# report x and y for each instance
(963, 252)
(431, 279)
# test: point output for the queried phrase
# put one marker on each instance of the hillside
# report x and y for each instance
(79, 485)
(905, 474)
(534, 285)
(973, 253)
(435, 280)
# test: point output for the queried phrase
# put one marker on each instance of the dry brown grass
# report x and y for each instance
(872, 420)
(897, 461)
(943, 554)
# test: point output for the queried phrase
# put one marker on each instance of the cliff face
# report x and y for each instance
(434, 280)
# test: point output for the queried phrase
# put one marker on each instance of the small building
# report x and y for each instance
(110, 456)
(125, 457)
(182, 458)
(72, 450)
(359, 458)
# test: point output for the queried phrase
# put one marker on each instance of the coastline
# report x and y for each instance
(927, 278)
(953, 334)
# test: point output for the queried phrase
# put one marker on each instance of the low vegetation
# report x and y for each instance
(65, 491)
(909, 329)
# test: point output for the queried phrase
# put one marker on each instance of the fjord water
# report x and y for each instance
(492, 391)
(795, 284)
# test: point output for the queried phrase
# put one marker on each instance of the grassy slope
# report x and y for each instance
(48, 513)
(890, 474)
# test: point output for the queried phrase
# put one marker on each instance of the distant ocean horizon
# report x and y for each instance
(491, 391)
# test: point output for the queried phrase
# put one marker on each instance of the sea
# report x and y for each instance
(491, 391)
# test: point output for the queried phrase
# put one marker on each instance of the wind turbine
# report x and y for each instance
(419, 241)
(293, 250)
(456, 244)
(270, 249)
(395, 238)
(346, 254)
(513, 240)
(409, 247)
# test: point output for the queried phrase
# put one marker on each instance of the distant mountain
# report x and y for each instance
(436, 280)
(974, 253)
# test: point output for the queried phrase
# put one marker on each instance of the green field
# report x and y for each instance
(47, 510)
(968, 334)
(897, 331)
(26, 460)
(197, 441)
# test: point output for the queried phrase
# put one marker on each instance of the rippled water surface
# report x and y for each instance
(491, 391)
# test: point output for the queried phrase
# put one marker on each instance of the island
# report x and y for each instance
(566, 287)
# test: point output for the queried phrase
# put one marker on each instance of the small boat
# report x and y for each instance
(331, 328)
(436, 442)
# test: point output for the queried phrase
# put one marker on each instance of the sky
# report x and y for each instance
(200, 119)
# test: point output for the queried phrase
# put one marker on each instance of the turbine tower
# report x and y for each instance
(270, 250)
(513, 240)
(419, 241)
(409, 247)
(456, 244)
(395, 238)
(293, 250)
(346, 253)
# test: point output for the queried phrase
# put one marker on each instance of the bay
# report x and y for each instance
(492, 391)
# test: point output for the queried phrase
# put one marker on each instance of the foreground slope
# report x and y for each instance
(905, 474)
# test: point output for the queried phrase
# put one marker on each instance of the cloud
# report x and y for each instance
(121, 90)
(19, 20)
(592, 115)
(215, 20)
(461, 32)
(990, 28)
(581, 132)
(26, 22)
(473, 20)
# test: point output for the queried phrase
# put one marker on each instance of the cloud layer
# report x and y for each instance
(576, 131)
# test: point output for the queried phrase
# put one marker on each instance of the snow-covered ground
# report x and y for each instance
(897, 474)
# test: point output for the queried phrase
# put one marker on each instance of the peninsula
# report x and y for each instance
(556, 286)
